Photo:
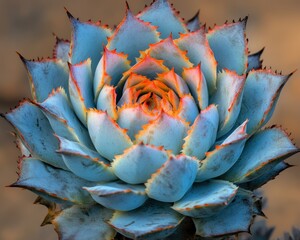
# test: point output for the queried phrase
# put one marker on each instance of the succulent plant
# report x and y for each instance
(142, 129)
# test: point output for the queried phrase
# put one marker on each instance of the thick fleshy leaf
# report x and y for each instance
(269, 175)
(143, 160)
(167, 131)
(154, 220)
(172, 55)
(79, 222)
(228, 97)
(206, 199)
(107, 101)
(63, 121)
(87, 41)
(80, 88)
(262, 149)
(174, 81)
(173, 179)
(197, 85)
(193, 24)
(57, 183)
(254, 61)
(224, 156)
(229, 45)
(123, 41)
(118, 195)
(199, 51)
(161, 14)
(108, 138)
(188, 109)
(235, 218)
(84, 162)
(20, 145)
(36, 133)
(133, 118)
(61, 49)
(110, 69)
(46, 75)
(257, 103)
(202, 135)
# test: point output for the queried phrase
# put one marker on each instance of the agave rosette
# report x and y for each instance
(135, 129)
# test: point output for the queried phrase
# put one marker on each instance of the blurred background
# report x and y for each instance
(27, 26)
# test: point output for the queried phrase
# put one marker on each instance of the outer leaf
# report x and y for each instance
(228, 98)
(202, 134)
(258, 104)
(46, 75)
(133, 118)
(264, 148)
(143, 160)
(36, 133)
(110, 69)
(80, 87)
(199, 51)
(154, 220)
(61, 49)
(224, 156)
(270, 174)
(171, 54)
(229, 45)
(84, 162)
(123, 41)
(87, 41)
(254, 61)
(62, 119)
(193, 24)
(166, 131)
(89, 223)
(197, 85)
(161, 14)
(109, 139)
(57, 183)
(118, 195)
(173, 179)
(206, 199)
(235, 218)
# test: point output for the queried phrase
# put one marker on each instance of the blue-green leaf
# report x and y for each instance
(167, 131)
(154, 220)
(235, 218)
(162, 15)
(199, 51)
(143, 160)
(61, 49)
(87, 41)
(202, 134)
(229, 45)
(193, 24)
(261, 92)
(84, 162)
(228, 98)
(118, 195)
(63, 121)
(56, 183)
(206, 199)
(224, 156)
(46, 75)
(108, 138)
(261, 152)
(36, 133)
(80, 88)
(88, 223)
(254, 61)
(173, 179)
(187, 109)
(107, 101)
(123, 41)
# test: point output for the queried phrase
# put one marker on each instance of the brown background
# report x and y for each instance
(27, 26)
